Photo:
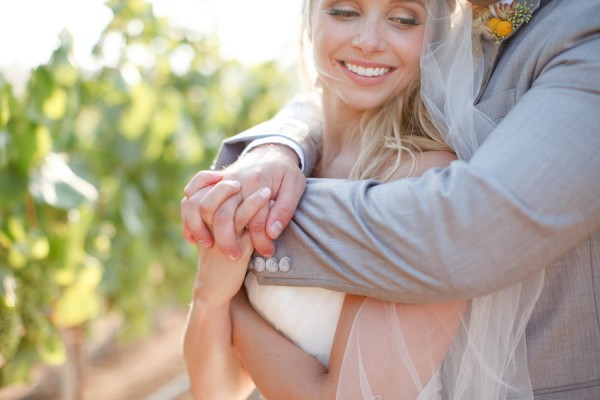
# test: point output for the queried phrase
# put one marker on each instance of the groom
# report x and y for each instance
(528, 199)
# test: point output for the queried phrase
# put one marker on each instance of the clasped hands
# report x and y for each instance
(219, 206)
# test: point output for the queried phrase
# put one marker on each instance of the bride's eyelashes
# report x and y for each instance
(341, 14)
(402, 22)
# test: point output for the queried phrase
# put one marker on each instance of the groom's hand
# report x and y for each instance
(272, 166)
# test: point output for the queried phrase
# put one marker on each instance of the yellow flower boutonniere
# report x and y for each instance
(508, 18)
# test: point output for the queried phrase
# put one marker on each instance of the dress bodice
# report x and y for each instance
(306, 315)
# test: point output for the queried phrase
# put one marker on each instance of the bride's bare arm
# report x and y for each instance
(279, 368)
(214, 368)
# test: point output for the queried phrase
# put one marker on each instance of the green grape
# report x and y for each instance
(37, 326)
(27, 292)
(36, 287)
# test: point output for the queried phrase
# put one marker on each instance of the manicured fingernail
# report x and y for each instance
(236, 184)
(232, 257)
(265, 193)
(276, 228)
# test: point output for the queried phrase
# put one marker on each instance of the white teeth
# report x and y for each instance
(366, 71)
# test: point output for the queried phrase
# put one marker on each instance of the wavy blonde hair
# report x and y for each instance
(400, 128)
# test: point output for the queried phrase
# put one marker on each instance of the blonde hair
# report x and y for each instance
(397, 129)
(402, 127)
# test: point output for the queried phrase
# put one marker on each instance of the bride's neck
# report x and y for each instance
(340, 136)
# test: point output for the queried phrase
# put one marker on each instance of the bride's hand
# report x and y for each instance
(219, 277)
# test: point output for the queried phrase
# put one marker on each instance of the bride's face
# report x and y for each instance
(367, 51)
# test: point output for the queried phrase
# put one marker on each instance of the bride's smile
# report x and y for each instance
(366, 70)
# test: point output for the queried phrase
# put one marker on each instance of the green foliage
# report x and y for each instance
(92, 168)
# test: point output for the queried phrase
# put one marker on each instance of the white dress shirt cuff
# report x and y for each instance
(278, 139)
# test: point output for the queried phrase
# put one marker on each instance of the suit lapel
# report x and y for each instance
(493, 50)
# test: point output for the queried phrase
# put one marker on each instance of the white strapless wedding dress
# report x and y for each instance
(308, 316)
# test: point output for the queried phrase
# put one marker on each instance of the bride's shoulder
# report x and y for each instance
(421, 162)
(433, 159)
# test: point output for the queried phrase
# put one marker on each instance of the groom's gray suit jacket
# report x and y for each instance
(528, 199)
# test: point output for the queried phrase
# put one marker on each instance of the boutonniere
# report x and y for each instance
(504, 19)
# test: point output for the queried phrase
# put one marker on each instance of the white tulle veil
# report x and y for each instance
(471, 350)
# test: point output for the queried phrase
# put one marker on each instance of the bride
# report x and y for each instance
(396, 81)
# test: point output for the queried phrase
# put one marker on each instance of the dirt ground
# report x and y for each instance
(139, 370)
(151, 368)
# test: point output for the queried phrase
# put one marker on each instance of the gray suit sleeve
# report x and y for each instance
(528, 195)
(300, 120)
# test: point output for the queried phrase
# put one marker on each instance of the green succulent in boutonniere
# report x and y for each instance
(508, 17)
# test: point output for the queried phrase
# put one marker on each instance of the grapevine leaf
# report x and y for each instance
(56, 184)
(13, 185)
(133, 208)
(4, 148)
(5, 94)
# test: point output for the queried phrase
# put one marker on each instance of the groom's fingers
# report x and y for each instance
(201, 180)
(263, 244)
(288, 196)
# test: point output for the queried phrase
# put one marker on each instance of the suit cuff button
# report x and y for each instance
(259, 264)
(285, 264)
(272, 264)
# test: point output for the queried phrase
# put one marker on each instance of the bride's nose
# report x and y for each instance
(370, 37)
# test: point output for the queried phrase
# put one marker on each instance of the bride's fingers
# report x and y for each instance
(189, 237)
(223, 227)
(194, 228)
(192, 220)
(249, 208)
(186, 229)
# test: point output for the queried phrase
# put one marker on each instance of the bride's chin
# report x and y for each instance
(363, 103)
(344, 97)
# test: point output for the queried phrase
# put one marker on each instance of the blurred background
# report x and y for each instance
(107, 109)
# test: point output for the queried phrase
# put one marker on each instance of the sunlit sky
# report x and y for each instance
(250, 31)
